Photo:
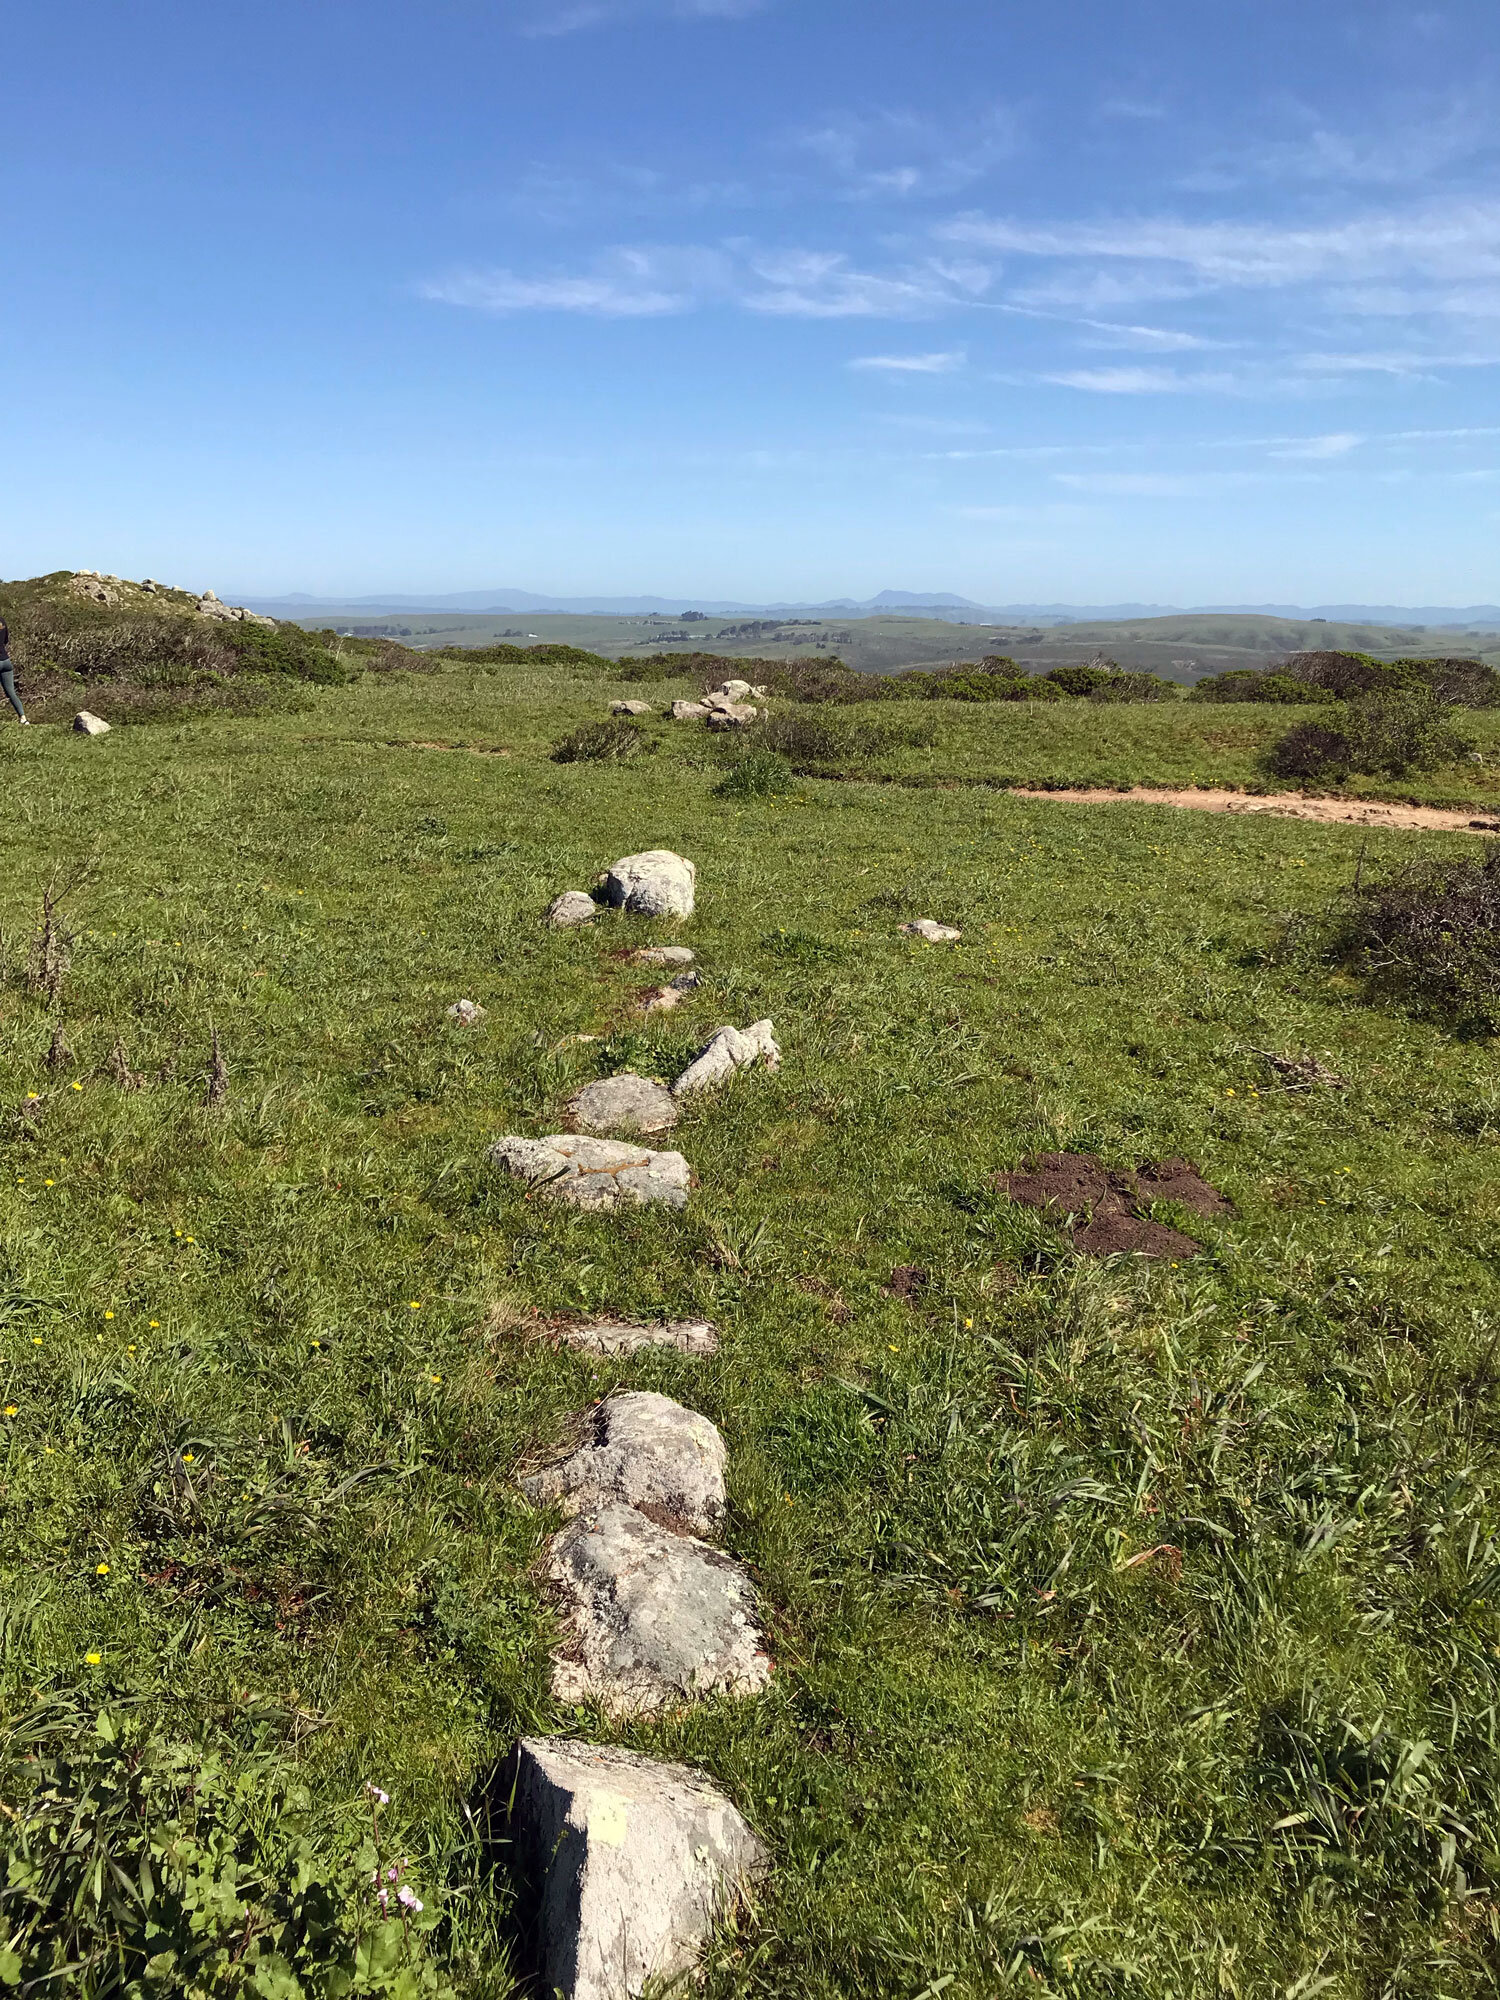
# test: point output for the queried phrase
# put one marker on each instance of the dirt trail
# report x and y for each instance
(1288, 805)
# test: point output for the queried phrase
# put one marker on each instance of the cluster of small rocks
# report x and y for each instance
(731, 706)
(210, 606)
(101, 588)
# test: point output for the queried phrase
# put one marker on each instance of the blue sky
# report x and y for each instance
(1111, 300)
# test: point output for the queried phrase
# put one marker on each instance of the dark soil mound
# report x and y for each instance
(1104, 1210)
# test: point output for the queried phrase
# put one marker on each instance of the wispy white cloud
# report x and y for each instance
(1139, 381)
(637, 281)
(895, 155)
(946, 363)
(1335, 444)
(567, 17)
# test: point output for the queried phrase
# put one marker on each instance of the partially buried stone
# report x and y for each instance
(624, 1103)
(573, 906)
(731, 715)
(657, 883)
(729, 1050)
(595, 1173)
(933, 933)
(688, 711)
(661, 999)
(663, 954)
(466, 1013)
(651, 1619)
(620, 1336)
(635, 1860)
(651, 1453)
(631, 708)
(88, 724)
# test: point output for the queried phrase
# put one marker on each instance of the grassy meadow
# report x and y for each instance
(1136, 1624)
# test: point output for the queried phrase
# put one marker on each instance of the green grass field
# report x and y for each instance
(1136, 1624)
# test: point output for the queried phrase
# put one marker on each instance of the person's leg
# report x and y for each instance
(8, 688)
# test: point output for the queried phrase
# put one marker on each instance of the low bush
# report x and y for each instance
(1380, 735)
(1429, 934)
(759, 774)
(140, 647)
(611, 741)
(140, 1862)
(549, 654)
(1324, 677)
(807, 740)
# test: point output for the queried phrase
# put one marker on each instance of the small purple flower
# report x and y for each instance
(408, 1901)
(381, 1798)
(393, 1873)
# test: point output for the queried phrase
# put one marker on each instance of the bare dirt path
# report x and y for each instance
(1288, 805)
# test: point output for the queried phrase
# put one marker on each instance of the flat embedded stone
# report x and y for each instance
(618, 1336)
(636, 1861)
(595, 1173)
(664, 954)
(647, 1451)
(623, 1103)
(572, 907)
(631, 708)
(729, 1050)
(650, 1619)
(924, 927)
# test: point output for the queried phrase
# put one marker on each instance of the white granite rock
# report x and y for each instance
(647, 1451)
(657, 883)
(729, 1050)
(595, 1173)
(88, 724)
(688, 711)
(924, 927)
(631, 708)
(636, 1862)
(623, 1103)
(573, 906)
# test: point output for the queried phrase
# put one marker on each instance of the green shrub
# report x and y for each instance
(140, 1863)
(822, 739)
(1380, 735)
(549, 654)
(1254, 684)
(611, 741)
(1323, 677)
(760, 774)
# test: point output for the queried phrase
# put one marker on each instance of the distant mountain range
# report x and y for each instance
(933, 604)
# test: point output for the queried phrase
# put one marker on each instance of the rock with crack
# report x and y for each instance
(466, 1013)
(620, 1336)
(729, 1050)
(731, 715)
(572, 907)
(88, 724)
(657, 883)
(595, 1173)
(663, 954)
(651, 1619)
(623, 1103)
(933, 933)
(661, 999)
(688, 711)
(631, 708)
(635, 1861)
(647, 1452)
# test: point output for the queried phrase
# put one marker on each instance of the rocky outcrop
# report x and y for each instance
(595, 1173)
(636, 1861)
(209, 605)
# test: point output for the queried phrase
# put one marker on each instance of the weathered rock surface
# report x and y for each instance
(731, 715)
(573, 906)
(657, 883)
(924, 927)
(688, 711)
(595, 1173)
(648, 1452)
(631, 708)
(729, 1050)
(730, 691)
(210, 605)
(620, 1336)
(88, 724)
(623, 1103)
(636, 1862)
(466, 1013)
(664, 954)
(651, 1618)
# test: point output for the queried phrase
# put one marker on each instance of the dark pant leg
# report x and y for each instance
(8, 687)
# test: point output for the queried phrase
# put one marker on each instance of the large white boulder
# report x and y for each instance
(88, 724)
(657, 883)
(595, 1173)
(649, 1452)
(650, 1619)
(729, 1050)
(636, 1862)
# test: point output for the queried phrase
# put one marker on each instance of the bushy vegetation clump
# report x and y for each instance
(759, 774)
(1384, 734)
(551, 653)
(1314, 678)
(1429, 934)
(611, 741)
